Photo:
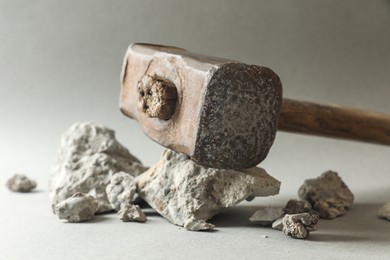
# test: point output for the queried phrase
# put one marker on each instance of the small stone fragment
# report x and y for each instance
(384, 212)
(79, 207)
(20, 183)
(278, 224)
(130, 212)
(297, 206)
(88, 157)
(299, 225)
(197, 224)
(121, 190)
(267, 215)
(264, 236)
(327, 194)
(188, 194)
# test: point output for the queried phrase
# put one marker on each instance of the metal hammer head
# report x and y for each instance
(222, 113)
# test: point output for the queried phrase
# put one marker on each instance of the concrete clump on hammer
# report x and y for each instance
(222, 114)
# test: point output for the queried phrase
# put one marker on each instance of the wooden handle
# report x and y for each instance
(333, 121)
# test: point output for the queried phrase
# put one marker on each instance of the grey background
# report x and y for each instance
(60, 63)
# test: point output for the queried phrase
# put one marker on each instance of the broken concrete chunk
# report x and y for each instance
(299, 225)
(188, 194)
(327, 194)
(88, 157)
(197, 224)
(20, 183)
(77, 208)
(130, 212)
(267, 215)
(297, 206)
(121, 190)
(278, 224)
(384, 212)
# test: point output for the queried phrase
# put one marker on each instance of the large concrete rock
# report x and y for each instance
(188, 194)
(88, 157)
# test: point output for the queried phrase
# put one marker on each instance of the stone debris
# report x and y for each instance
(297, 206)
(88, 157)
(121, 190)
(20, 183)
(264, 236)
(130, 212)
(299, 225)
(267, 215)
(188, 194)
(79, 207)
(327, 194)
(384, 212)
(278, 224)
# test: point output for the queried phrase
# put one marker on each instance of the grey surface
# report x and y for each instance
(60, 63)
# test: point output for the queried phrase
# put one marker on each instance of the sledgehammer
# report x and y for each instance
(223, 113)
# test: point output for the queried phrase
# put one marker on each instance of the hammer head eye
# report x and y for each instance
(156, 97)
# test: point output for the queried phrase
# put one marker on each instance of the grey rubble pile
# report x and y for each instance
(296, 219)
(95, 173)
(326, 196)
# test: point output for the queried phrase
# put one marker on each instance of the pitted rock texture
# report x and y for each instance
(79, 207)
(130, 212)
(384, 212)
(88, 157)
(121, 190)
(267, 215)
(327, 194)
(297, 206)
(299, 225)
(188, 194)
(20, 183)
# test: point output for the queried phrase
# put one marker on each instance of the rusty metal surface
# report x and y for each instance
(226, 112)
(239, 116)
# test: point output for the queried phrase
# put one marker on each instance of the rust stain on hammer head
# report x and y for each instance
(223, 114)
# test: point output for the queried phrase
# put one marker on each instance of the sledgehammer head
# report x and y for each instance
(221, 113)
